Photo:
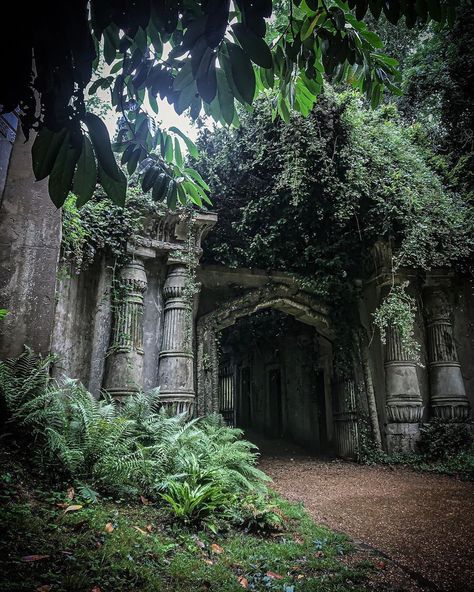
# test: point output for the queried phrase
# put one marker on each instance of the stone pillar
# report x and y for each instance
(207, 369)
(176, 360)
(404, 403)
(447, 393)
(125, 356)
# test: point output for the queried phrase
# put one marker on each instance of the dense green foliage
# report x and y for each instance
(196, 54)
(198, 467)
(441, 440)
(313, 196)
(102, 228)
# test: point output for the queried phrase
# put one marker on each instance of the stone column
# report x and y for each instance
(176, 360)
(125, 356)
(447, 393)
(404, 403)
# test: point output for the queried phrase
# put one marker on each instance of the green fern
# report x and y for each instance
(135, 448)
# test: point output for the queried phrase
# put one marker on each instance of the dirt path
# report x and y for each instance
(423, 524)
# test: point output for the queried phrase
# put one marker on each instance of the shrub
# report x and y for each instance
(256, 514)
(443, 439)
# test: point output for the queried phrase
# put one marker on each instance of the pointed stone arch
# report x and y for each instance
(302, 305)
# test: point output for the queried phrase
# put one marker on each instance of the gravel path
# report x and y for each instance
(422, 523)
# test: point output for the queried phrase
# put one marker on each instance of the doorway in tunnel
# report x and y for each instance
(274, 379)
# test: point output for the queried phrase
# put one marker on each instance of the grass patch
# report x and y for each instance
(117, 545)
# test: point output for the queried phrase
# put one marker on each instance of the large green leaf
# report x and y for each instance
(190, 145)
(85, 178)
(116, 190)
(242, 72)
(60, 179)
(225, 97)
(102, 148)
(254, 46)
(45, 150)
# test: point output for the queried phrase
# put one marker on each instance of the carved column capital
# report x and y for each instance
(438, 309)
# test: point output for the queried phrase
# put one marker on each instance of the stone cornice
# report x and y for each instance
(167, 233)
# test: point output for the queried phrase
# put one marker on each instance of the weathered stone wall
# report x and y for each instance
(30, 236)
(83, 319)
(83, 323)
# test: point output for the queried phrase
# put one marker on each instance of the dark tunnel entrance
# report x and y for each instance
(274, 379)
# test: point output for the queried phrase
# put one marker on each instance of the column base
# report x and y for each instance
(402, 437)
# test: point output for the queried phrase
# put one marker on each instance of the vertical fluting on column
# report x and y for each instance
(447, 393)
(125, 356)
(176, 359)
(404, 403)
(403, 397)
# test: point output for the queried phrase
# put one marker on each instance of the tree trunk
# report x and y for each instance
(360, 339)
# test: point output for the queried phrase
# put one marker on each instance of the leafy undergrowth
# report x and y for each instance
(55, 540)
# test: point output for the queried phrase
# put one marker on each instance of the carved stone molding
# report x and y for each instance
(447, 393)
(124, 375)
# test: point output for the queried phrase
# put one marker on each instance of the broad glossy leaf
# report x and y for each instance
(197, 177)
(178, 156)
(190, 145)
(254, 46)
(225, 97)
(45, 149)
(242, 72)
(115, 189)
(85, 177)
(60, 179)
(102, 148)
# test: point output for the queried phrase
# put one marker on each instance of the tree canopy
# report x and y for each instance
(197, 54)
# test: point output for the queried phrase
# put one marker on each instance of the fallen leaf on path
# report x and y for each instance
(34, 557)
(274, 576)
(217, 549)
(144, 501)
(73, 508)
(109, 527)
(149, 527)
(71, 493)
(243, 581)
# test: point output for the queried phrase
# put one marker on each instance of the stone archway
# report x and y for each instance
(302, 305)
